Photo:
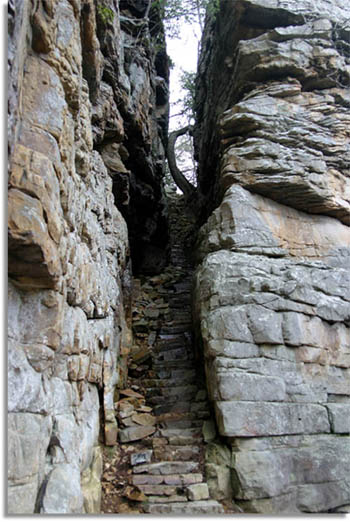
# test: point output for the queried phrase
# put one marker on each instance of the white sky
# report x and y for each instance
(183, 51)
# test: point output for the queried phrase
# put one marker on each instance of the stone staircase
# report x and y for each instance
(162, 413)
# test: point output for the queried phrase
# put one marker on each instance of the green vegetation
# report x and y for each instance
(187, 82)
(105, 13)
(175, 11)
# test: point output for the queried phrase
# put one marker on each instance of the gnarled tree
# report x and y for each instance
(184, 185)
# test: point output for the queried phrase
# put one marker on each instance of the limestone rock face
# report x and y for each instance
(272, 298)
(82, 101)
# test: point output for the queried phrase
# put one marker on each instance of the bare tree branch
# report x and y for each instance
(146, 15)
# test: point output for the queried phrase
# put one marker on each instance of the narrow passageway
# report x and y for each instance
(159, 465)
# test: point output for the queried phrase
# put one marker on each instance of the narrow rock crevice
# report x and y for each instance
(164, 413)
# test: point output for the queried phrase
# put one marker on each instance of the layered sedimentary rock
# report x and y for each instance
(87, 117)
(272, 292)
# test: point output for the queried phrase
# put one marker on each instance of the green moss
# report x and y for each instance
(105, 13)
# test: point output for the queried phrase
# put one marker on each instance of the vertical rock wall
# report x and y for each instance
(272, 287)
(87, 118)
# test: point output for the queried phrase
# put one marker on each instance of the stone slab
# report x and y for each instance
(240, 386)
(199, 507)
(141, 457)
(249, 419)
(135, 433)
(166, 468)
(198, 492)
(339, 415)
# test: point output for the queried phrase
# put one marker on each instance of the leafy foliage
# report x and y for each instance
(186, 102)
(175, 11)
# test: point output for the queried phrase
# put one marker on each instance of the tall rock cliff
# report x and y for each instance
(273, 284)
(88, 110)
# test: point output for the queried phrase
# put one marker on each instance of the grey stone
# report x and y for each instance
(232, 349)
(183, 478)
(247, 419)
(339, 417)
(268, 231)
(199, 507)
(28, 440)
(91, 483)
(209, 430)
(317, 498)
(63, 493)
(170, 452)
(160, 499)
(139, 480)
(25, 386)
(166, 468)
(265, 325)
(261, 474)
(274, 254)
(285, 504)
(182, 436)
(271, 466)
(65, 429)
(241, 386)
(197, 491)
(228, 323)
(158, 489)
(141, 458)
(69, 245)
(219, 481)
(135, 433)
(218, 453)
(21, 498)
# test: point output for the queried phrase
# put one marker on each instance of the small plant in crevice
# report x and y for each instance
(105, 13)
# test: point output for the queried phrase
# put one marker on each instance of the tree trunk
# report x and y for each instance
(184, 185)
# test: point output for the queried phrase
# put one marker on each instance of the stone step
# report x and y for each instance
(177, 373)
(168, 338)
(153, 499)
(185, 392)
(161, 489)
(168, 407)
(182, 437)
(179, 341)
(176, 328)
(179, 316)
(175, 354)
(183, 322)
(197, 507)
(167, 383)
(183, 479)
(177, 364)
(202, 415)
(175, 416)
(174, 373)
(178, 302)
(176, 453)
(197, 423)
(166, 468)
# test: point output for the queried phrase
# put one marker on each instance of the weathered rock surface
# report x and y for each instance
(159, 465)
(272, 298)
(83, 120)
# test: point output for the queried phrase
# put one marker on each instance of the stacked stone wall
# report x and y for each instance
(272, 286)
(82, 97)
